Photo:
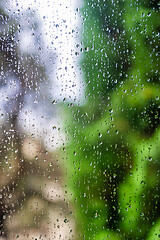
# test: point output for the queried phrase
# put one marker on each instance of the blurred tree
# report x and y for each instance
(20, 74)
(112, 156)
(30, 188)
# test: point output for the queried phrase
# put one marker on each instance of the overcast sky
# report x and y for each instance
(60, 23)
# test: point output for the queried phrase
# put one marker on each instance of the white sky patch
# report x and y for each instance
(59, 23)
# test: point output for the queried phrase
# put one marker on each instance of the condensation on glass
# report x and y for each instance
(79, 119)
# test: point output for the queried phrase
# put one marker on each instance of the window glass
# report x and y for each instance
(79, 119)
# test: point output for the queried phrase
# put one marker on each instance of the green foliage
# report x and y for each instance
(113, 155)
(155, 232)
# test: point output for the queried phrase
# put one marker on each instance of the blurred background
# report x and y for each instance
(37, 72)
(80, 117)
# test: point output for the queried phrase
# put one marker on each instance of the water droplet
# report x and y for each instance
(100, 134)
(35, 101)
(66, 220)
(150, 159)
(10, 196)
(54, 102)
(111, 110)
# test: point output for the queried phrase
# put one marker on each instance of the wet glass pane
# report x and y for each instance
(79, 119)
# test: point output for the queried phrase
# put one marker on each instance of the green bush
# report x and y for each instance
(112, 156)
